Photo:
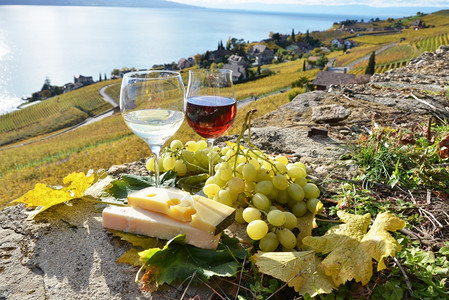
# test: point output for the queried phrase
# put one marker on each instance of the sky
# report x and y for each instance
(382, 7)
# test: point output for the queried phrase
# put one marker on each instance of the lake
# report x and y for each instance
(60, 42)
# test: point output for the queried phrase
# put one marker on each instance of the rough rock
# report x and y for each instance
(66, 254)
(329, 113)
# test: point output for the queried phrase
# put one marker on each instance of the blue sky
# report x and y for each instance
(347, 7)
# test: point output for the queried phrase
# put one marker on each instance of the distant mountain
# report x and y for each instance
(117, 3)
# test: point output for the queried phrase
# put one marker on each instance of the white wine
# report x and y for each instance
(154, 126)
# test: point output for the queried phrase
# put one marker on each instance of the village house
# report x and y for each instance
(238, 72)
(83, 80)
(340, 43)
(261, 54)
(417, 24)
(300, 47)
(184, 63)
(236, 60)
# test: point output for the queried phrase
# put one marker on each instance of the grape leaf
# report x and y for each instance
(178, 261)
(299, 269)
(131, 256)
(43, 197)
(351, 248)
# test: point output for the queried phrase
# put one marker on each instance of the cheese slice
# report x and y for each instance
(141, 221)
(200, 212)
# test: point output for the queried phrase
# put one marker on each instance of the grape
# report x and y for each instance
(230, 153)
(281, 159)
(250, 214)
(192, 146)
(220, 182)
(269, 242)
(286, 238)
(180, 168)
(210, 180)
(250, 187)
(237, 185)
(300, 164)
(224, 197)
(211, 189)
(295, 192)
(201, 144)
(299, 209)
(265, 187)
(224, 174)
(290, 220)
(274, 194)
(169, 162)
(201, 158)
(176, 145)
(188, 155)
(257, 229)
(280, 167)
(234, 196)
(150, 164)
(276, 217)
(295, 171)
(255, 163)
(249, 172)
(314, 206)
(280, 182)
(311, 191)
(261, 201)
(225, 150)
(282, 197)
(239, 216)
(263, 175)
(301, 181)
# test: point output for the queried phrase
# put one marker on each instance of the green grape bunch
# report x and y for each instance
(269, 193)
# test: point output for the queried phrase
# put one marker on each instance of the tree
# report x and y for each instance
(371, 64)
(304, 65)
(105, 78)
(293, 36)
(99, 77)
(322, 61)
(47, 85)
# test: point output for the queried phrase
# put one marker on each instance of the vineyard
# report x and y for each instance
(53, 114)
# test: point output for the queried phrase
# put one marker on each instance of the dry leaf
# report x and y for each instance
(351, 248)
(299, 269)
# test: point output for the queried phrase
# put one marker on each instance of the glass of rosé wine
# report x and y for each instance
(210, 104)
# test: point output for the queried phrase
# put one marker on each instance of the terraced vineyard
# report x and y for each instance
(52, 114)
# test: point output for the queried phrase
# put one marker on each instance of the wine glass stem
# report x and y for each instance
(156, 149)
(210, 144)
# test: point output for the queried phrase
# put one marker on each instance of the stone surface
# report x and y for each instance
(329, 113)
(67, 254)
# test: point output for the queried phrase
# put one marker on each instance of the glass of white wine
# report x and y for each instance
(152, 104)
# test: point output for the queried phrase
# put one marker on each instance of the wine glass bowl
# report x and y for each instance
(152, 105)
(210, 104)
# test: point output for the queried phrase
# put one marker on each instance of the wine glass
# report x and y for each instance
(211, 105)
(152, 105)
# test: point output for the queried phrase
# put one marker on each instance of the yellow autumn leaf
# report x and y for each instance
(43, 197)
(351, 248)
(299, 270)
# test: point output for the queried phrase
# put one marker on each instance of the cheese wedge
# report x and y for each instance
(200, 212)
(141, 221)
